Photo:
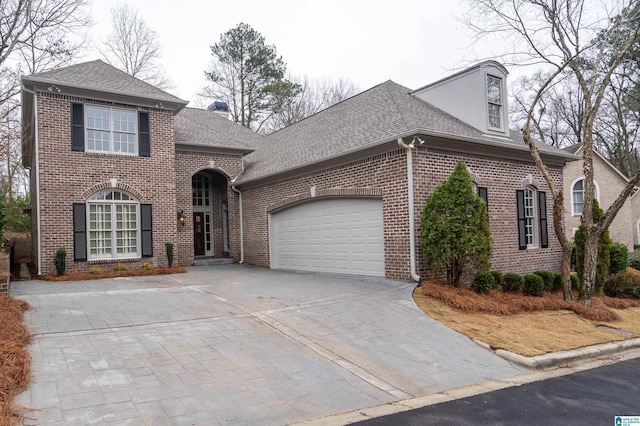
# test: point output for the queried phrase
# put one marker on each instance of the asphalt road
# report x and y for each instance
(591, 397)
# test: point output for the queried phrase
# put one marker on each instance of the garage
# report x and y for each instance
(340, 235)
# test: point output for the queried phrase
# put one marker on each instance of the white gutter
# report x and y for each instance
(412, 221)
(37, 167)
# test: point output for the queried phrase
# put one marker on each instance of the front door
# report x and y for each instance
(198, 234)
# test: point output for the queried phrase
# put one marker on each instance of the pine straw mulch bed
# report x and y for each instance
(529, 325)
(15, 360)
(82, 276)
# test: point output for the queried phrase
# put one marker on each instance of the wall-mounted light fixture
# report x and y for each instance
(181, 217)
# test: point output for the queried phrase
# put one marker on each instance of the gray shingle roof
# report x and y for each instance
(573, 148)
(100, 76)
(208, 129)
(378, 115)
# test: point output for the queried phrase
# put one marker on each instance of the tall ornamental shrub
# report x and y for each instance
(604, 247)
(455, 235)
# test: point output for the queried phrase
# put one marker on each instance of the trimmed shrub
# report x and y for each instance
(484, 282)
(96, 270)
(497, 278)
(575, 282)
(533, 284)
(547, 279)
(147, 266)
(512, 282)
(619, 258)
(623, 284)
(169, 249)
(120, 267)
(60, 261)
(634, 262)
(455, 234)
(557, 281)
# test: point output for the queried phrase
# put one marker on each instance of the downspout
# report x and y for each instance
(236, 190)
(37, 166)
(412, 220)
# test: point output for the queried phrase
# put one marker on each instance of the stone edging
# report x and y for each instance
(555, 359)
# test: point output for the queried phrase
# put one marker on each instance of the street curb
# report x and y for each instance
(555, 359)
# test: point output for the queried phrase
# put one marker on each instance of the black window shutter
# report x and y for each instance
(77, 127)
(79, 231)
(144, 137)
(522, 237)
(544, 235)
(147, 230)
(482, 193)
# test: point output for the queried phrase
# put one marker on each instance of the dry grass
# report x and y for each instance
(82, 276)
(529, 325)
(15, 360)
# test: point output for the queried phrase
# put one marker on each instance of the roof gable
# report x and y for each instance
(98, 76)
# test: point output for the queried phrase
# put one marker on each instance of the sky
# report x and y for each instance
(412, 42)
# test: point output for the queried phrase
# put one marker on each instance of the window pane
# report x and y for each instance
(494, 116)
(494, 90)
(530, 216)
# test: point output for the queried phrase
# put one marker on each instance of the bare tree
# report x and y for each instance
(568, 37)
(314, 96)
(133, 47)
(36, 35)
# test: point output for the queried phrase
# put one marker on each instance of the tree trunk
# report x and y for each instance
(564, 270)
(558, 226)
(589, 269)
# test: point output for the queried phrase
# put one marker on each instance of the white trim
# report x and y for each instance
(597, 193)
(111, 129)
(535, 228)
(638, 230)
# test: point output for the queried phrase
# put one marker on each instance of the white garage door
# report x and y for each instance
(342, 235)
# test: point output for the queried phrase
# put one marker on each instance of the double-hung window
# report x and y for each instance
(494, 102)
(107, 129)
(111, 130)
(532, 218)
(113, 225)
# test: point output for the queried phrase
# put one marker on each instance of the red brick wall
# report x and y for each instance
(188, 163)
(385, 176)
(68, 177)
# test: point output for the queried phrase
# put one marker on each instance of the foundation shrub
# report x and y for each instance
(575, 281)
(169, 248)
(497, 278)
(96, 270)
(60, 261)
(512, 282)
(623, 284)
(547, 278)
(147, 266)
(556, 285)
(533, 285)
(483, 282)
(120, 267)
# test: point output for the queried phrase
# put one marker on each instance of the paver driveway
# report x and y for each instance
(235, 344)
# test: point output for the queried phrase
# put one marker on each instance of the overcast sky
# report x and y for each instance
(412, 42)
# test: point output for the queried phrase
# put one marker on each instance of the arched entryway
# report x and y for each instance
(210, 214)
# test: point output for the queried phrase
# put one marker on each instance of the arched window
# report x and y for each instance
(577, 196)
(113, 226)
(530, 217)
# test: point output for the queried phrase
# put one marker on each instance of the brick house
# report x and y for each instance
(609, 183)
(120, 167)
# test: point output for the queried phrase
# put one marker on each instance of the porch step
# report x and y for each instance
(211, 261)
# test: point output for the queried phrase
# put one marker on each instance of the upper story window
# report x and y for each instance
(577, 196)
(494, 101)
(111, 130)
(98, 128)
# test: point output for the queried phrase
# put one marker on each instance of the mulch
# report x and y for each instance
(15, 360)
(503, 303)
(82, 276)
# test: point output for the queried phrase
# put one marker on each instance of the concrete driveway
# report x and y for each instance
(235, 344)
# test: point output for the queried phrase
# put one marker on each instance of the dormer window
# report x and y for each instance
(494, 102)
